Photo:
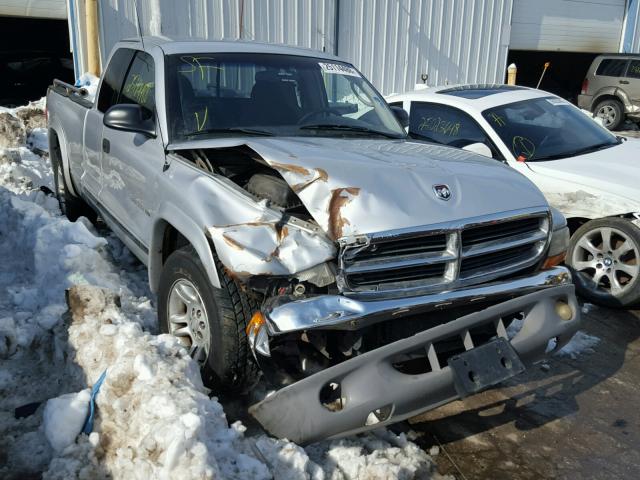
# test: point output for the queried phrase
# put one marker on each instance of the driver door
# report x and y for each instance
(131, 161)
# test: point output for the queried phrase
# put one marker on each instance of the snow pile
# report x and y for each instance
(24, 125)
(64, 417)
(156, 421)
(580, 343)
(154, 418)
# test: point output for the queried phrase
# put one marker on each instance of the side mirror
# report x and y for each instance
(479, 148)
(130, 118)
(402, 116)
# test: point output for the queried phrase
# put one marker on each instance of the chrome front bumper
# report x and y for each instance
(287, 314)
(370, 384)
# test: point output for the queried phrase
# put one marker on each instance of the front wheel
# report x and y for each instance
(604, 256)
(210, 322)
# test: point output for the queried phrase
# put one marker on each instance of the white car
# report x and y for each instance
(589, 174)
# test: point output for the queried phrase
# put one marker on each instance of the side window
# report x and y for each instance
(444, 124)
(634, 69)
(140, 83)
(611, 67)
(113, 78)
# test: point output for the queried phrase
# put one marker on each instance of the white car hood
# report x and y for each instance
(359, 186)
(614, 172)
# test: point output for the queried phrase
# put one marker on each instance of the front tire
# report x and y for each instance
(210, 322)
(611, 112)
(604, 256)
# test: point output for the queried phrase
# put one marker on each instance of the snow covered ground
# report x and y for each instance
(154, 418)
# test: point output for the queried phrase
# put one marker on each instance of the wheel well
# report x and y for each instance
(172, 240)
(54, 147)
(604, 97)
(575, 223)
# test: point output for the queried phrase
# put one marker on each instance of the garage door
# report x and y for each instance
(34, 8)
(567, 25)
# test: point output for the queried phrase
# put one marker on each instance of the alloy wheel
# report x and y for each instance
(607, 259)
(608, 115)
(188, 319)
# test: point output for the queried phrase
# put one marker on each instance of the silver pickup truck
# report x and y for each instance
(290, 228)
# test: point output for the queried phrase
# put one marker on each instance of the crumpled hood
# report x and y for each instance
(614, 171)
(358, 186)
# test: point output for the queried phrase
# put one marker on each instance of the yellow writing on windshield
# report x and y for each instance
(523, 147)
(138, 90)
(195, 65)
(497, 119)
(200, 125)
(438, 125)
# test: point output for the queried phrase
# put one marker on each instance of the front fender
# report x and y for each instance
(169, 214)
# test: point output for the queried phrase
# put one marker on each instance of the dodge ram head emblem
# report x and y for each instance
(442, 192)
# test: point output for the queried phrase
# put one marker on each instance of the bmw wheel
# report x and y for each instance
(604, 255)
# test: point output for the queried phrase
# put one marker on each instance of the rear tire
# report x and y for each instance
(70, 206)
(220, 346)
(611, 112)
(604, 256)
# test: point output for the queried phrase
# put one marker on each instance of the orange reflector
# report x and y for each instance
(256, 323)
(554, 261)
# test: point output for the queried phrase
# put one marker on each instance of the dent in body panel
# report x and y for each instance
(250, 237)
(585, 204)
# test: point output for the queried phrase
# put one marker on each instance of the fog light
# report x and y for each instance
(564, 310)
(257, 334)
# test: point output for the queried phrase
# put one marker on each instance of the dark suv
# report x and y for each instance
(611, 89)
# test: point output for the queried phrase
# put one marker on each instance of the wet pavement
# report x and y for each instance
(566, 419)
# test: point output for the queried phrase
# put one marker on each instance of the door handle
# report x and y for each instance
(624, 82)
(106, 145)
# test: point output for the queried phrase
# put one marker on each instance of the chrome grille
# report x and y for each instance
(451, 255)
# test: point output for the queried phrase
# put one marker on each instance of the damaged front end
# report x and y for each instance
(357, 322)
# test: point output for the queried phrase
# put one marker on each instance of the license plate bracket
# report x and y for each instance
(484, 366)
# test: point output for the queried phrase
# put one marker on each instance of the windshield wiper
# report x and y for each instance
(581, 151)
(349, 128)
(246, 131)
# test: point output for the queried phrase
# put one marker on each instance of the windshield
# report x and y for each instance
(211, 95)
(547, 129)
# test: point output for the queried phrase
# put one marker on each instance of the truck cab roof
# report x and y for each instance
(176, 45)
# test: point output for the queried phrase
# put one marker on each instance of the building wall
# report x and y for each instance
(393, 42)
(307, 23)
(631, 36)
(34, 8)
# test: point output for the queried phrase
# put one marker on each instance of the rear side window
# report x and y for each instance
(611, 67)
(140, 83)
(634, 69)
(444, 124)
(113, 78)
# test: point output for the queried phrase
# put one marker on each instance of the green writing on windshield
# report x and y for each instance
(441, 126)
(523, 147)
(138, 90)
(195, 64)
(497, 119)
(200, 124)
(635, 69)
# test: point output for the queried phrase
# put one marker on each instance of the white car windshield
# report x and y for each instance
(215, 94)
(547, 129)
